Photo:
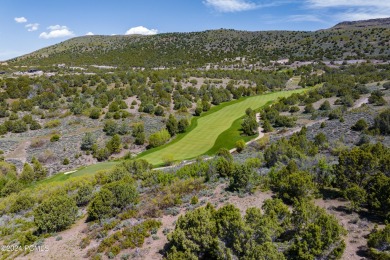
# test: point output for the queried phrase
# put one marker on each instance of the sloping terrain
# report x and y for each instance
(381, 22)
(215, 46)
(203, 137)
(314, 186)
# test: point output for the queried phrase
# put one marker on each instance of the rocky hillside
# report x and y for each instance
(382, 23)
(216, 46)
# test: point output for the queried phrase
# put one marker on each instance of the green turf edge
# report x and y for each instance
(194, 123)
(233, 133)
(90, 169)
(228, 138)
(81, 171)
(59, 177)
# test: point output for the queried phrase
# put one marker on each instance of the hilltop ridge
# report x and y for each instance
(356, 40)
(380, 22)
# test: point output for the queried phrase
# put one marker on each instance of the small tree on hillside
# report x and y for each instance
(101, 205)
(325, 105)
(55, 214)
(382, 122)
(87, 142)
(40, 172)
(360, 125)
(114, 145)
(267, 127)
(159, 138)
(27, 174)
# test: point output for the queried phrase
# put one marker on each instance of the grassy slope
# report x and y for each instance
(205, 136)
(214, 129)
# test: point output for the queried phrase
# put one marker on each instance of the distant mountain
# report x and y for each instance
(193, 49)
(381, 22)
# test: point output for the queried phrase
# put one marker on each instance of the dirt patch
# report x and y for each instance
(151, 249)
(66, 248)
(358, 227)
(20, 152)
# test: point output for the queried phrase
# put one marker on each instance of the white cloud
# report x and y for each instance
(355, 15)
(352, 10)
(348, 3)
(141, 30)
(32, 27)
(230, 6)
(304, 18)
(89, 33)
(56, 27)
(20, 19)
(56, 31)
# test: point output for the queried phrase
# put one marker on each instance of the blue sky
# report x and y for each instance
(28, 25)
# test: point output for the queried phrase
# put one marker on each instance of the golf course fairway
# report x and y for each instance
(203, 137)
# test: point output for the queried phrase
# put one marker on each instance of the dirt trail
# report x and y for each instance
(185, 162)
(360, 102)
(20, 152)
(259, 130)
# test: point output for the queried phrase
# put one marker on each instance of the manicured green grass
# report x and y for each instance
(92, 169)
(193, 125)
(217, 128)
(56, 178)
(205, 135)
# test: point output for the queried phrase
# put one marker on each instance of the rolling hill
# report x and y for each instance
(379, 23)
(351, 40)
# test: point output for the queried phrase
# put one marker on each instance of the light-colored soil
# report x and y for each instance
(68, 246)
(20, 153)
(293, 82)
(307, 123)
(360, 102)
(128, 103)
(151, 249)
(357, 227)
(331, 100)
(65, 249)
